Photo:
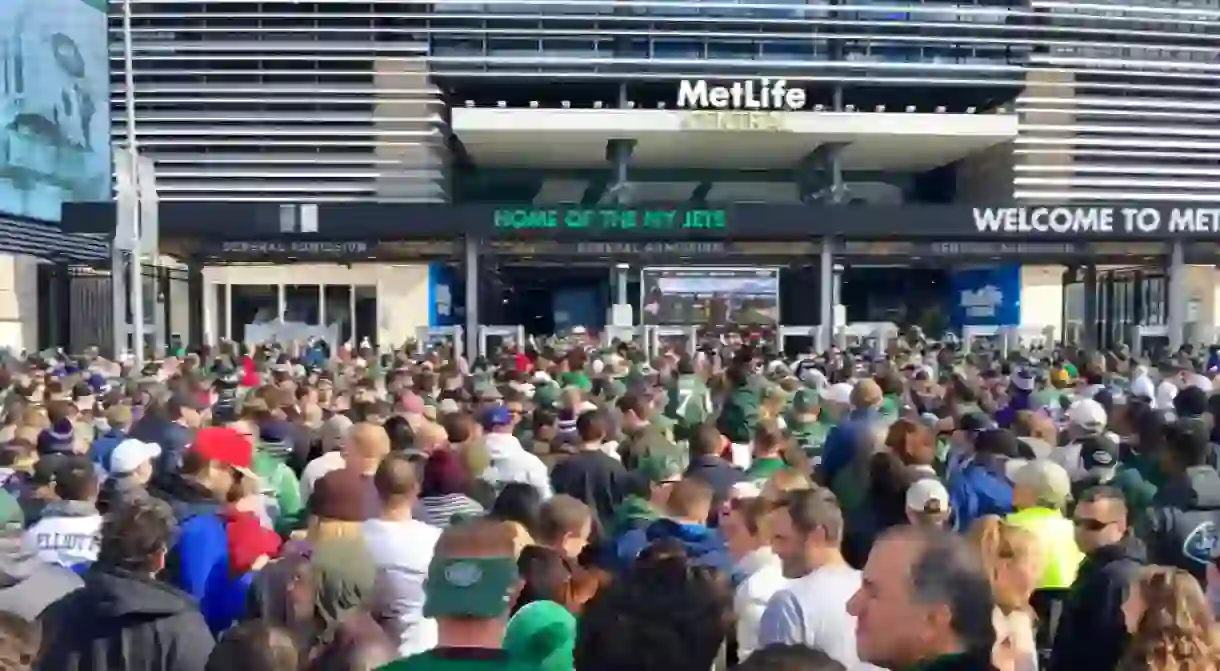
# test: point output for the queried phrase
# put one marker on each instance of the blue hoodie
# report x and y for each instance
(979, 489)
(844, 440)
(704, 546)
(198, 561)
(104, 446)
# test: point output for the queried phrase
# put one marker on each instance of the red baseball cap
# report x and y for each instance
(226, 446)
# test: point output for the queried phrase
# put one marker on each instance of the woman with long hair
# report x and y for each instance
(1171, 625)
(1012, 558)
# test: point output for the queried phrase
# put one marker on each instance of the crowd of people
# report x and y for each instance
(584, 508)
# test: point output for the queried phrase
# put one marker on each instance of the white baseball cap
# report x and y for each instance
(838, 393)
(1088, 414)
(130, 454)
(928, 496)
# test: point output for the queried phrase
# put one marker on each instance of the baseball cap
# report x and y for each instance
(927, 495)
(1099, 455)
(497, 416)
(1047, 481)
(477, 587)
(661, 468)
(1023, 380)
(1087, 414)
(130, 454)
(1061, 377)
(838, 393)
(227, 446)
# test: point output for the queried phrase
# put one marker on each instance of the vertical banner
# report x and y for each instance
(709, 296)
(54, 105)
(987, 296)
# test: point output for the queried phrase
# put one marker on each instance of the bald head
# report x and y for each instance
(367, 445)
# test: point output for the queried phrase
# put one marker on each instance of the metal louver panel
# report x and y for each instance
(282, 101)
(1115, 120)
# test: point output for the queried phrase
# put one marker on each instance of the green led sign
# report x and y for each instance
(610, 219)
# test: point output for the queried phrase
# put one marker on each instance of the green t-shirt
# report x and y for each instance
(763, 469)
(459, 659)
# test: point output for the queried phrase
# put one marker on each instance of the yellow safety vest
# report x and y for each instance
(1057, 536)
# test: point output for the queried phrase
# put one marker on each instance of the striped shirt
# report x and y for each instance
(438, 511)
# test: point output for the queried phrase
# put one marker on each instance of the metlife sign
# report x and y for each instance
(1203, 222)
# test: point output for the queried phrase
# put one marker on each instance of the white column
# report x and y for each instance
(118, 297)
(826, 298)
(1177, 296)
(379, 329)
(209, 314)
(228, 315)
(351, 313)
(322, 305)
(472, 297)
(281, 299)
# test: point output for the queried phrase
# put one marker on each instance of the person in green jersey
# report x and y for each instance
(470, 590)
(805, 423)
(769, 441)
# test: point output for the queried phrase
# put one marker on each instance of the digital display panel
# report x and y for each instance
(710, 297)
(54, 106)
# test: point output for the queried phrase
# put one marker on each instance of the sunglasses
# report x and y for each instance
(1089, 524)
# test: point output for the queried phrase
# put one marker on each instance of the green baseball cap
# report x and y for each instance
(659, 468)
(478, 587)
(546, 396)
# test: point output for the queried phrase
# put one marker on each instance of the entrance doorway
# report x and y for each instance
(548, 299)
(903, 295)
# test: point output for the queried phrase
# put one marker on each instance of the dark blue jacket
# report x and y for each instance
(704, 545)
(844, 441)
(979, 489)
(101, 449)
(1183, 525)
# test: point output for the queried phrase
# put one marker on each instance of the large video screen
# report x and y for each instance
(54, 105)
(712, 297)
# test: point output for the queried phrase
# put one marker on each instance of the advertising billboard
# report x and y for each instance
(711, 296)
(54, 106)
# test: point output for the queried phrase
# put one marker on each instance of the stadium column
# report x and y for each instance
(1177, 296)
(471, 344)
(1089, 332)
(826, 303)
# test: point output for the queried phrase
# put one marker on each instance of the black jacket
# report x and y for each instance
(1092, 632)
(1183, 523)
(122, 621)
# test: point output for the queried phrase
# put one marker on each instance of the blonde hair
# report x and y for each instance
(1177, 631)
(322, 529)
(1004, 547)
(783, 481)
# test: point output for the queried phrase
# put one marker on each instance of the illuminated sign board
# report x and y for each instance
(610, 219)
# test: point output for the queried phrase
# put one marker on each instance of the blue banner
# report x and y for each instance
(54, 106)
(987, 296)
(440, 295)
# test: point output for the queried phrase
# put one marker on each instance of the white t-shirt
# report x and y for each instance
(812, 611)
(316, 469)
(401, 551)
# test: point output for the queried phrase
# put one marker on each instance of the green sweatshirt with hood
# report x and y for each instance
(280, 482)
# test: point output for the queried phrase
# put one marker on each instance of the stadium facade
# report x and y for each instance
(544, 104)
